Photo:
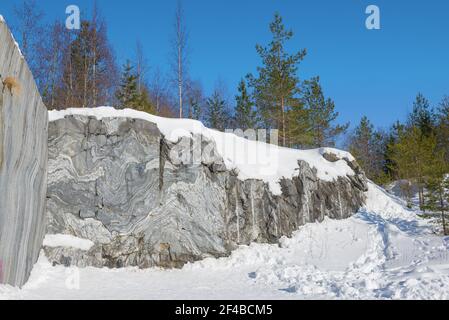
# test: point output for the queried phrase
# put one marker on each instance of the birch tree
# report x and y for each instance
(141, 67)
(29, 28)
(180, 58)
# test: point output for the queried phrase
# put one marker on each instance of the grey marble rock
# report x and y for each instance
(121, 184)
(23, 164)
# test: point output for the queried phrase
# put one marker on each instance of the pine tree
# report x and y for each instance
(437, 185)
(442, 127)
(299, 130)
(422, 116)
(197, 110)
(195, 99)
(276, 88)
(368, 147)
(127, 94)
(394, 134)
(216, 116)
(413, 158)
(245, 115)
(322, 114)
(144, 100)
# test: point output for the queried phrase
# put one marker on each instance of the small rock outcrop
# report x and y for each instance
(23, 164)
(122, 184)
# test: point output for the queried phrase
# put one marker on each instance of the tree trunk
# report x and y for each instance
(180, 79)
(85, 83)
(442, 215)
(69, 100)
(94, 45)
(420, 193)
(94, 74)
(284, 140)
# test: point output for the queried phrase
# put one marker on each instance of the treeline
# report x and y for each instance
(416, 151)
(274, 98)
(71, 68)
(77, 68)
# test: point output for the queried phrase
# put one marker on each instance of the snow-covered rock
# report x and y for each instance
(150, 191)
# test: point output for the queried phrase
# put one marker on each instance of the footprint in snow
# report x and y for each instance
(289, 290)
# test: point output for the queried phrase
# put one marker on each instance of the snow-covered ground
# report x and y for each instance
(383, 252)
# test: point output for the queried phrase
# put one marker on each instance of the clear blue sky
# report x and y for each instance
(373, 73)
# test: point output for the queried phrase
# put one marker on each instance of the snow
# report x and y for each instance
(69, 241)
(339, 153)
(386, 205)
(383, 252)
(17, 46)
(2, 20)
(251, 159)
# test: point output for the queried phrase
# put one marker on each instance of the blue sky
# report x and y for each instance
(375, 73)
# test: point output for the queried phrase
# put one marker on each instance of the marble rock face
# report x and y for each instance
(23, 164)
(119, 183)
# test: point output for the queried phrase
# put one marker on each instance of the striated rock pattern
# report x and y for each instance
(121, 184)
(23, 164)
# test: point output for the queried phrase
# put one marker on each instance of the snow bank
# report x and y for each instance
(251, 159)
(347, 259)
(339, 153)
(385, 205)
(65, 240)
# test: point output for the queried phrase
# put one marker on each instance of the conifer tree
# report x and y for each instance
(367, 146)
(421, 115)
(197, 111)
(322, 115)
(195, 99)
(394, 134)
(299, 130)
(276, 87)
(216, 116)
(145, 103)
(442, 127)
(413, 158)
(245, 115)
(127, 94)
(437, 186)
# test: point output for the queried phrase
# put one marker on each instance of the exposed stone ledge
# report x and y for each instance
(114, 181)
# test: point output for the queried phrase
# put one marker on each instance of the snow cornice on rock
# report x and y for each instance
(251, 159)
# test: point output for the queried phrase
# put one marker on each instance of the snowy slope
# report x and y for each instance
(383, 252)
(252, 159)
